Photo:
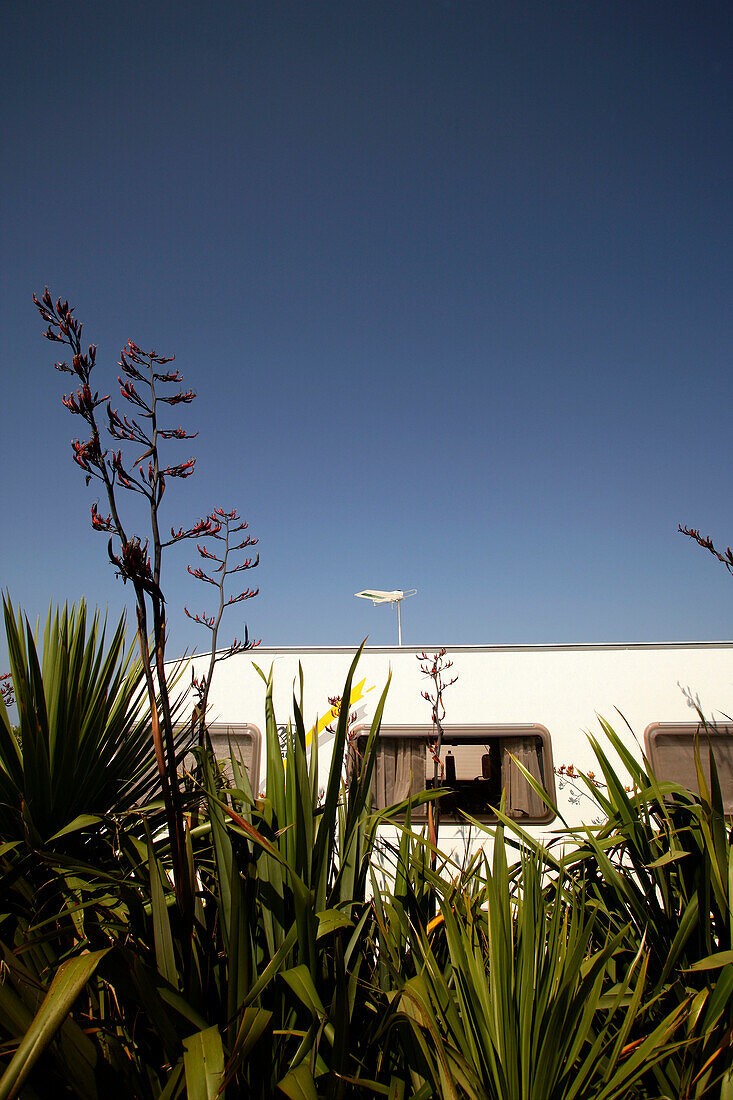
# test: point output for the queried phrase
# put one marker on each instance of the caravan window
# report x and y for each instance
(245, 741)
(478, 763)
(671, 750)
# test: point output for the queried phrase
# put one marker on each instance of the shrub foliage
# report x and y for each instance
(599, 967)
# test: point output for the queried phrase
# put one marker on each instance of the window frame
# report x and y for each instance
(477, 732)
(656, 730)
(233, 730)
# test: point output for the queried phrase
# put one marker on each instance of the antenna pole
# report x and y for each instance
(376, 595)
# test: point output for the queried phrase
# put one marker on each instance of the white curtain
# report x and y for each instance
(521, 799)
(399, 770)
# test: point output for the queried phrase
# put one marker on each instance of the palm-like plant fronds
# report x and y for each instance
(83, 743)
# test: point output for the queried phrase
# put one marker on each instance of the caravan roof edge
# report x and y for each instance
(506, 647)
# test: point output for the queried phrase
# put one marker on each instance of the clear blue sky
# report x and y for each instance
(452, 279)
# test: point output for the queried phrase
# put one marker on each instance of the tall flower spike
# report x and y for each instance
(220, 525)
(132, 559)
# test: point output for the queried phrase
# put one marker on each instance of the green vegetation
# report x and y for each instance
(598, 968)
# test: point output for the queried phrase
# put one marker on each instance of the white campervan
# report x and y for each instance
(532, 703)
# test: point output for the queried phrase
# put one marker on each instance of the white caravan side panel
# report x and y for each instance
(563, 688)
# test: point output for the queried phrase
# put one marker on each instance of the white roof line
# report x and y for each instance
(506, 647)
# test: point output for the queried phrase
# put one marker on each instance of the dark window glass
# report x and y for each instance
(477, 766)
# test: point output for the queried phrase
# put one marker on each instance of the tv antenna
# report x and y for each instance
(376, 595)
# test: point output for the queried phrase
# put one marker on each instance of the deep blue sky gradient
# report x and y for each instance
(451, 278)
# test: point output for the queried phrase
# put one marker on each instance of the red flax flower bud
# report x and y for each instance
(184, 397)
(176, 433)
(183, 469)
(205, 553)
(87, 454)
(130, 394)
(133, 562)
(248, 563)
(101, 523)
(128, 366)
(200, 575)
(246, 595)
